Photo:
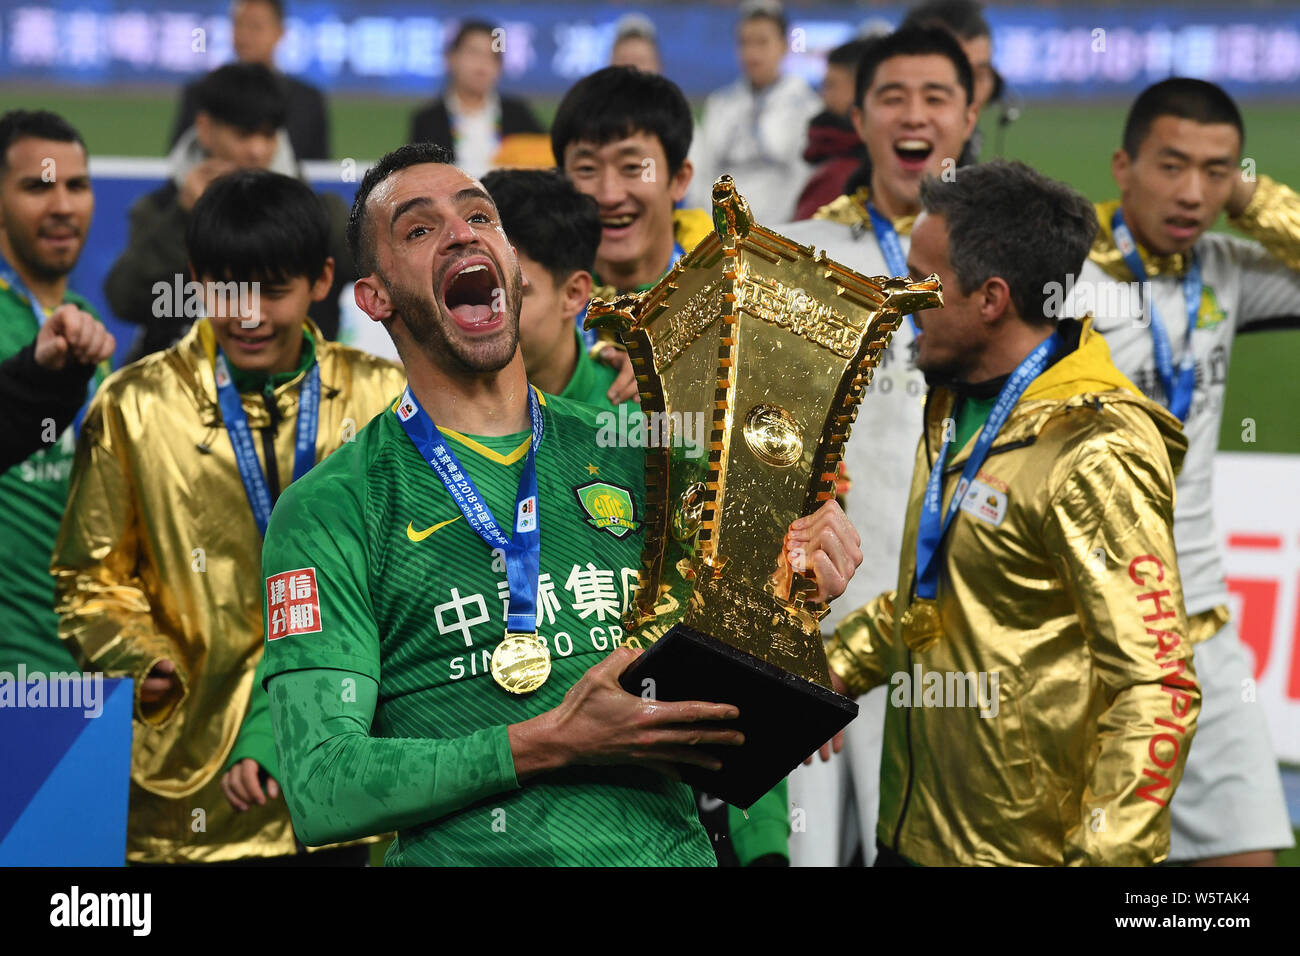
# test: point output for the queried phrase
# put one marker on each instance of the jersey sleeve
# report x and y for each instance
(1270, 265)
(1270, 289)
(255, 740)
(316, 590)
(340, 783)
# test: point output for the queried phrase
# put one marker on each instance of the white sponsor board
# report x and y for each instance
(1257, 515)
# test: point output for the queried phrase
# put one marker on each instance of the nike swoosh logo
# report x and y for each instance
(421, 535)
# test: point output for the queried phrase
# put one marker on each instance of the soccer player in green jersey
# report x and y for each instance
(46, 205)
(385, 606)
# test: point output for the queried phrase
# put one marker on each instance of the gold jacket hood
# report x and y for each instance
(1050, 722)
(159, 557)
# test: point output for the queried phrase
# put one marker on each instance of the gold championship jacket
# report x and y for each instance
(159, 558)
(1050, 722)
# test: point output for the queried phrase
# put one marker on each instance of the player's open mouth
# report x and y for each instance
(251, 343)
(616, 227)
(913, 153)
(1183, 227)
(59, 236)
(471, 294)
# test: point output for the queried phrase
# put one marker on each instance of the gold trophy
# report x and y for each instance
(772, 344)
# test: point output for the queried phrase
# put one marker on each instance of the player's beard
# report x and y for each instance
(436, 334)
(23, 244)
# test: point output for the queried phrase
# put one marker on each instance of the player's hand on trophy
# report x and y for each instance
(242, 785)
(823, 545)
(624, 387)
(836, 743)
(600, 723)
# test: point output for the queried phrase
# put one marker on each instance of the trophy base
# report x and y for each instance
(784, 718)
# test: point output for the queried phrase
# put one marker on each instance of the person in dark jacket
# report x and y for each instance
(238, 126)
(43, 385)
(257, 26)
(471, 118)
(834, 148)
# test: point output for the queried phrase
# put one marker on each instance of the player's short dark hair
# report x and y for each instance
(849, 55)
(965, 18)
(619, 101)
(1185, 98)
(765, 10)
(467, 29)
(256, 225)
(546, 219)
(276, 6)
(34, 124)
(913, 41)
(244, 95)
(1006, 219)
(360, 241)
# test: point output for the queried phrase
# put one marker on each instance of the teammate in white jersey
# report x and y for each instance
(1155, 263)
(913, 110)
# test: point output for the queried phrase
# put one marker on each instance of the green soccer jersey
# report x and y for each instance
(591, 379)
(32, 497)
(372, 569)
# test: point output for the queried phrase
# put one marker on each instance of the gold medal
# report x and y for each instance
(922, 626)
(521, 663)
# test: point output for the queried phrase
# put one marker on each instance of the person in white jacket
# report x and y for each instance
(755, 129)
(914, 109)
(1155, 269)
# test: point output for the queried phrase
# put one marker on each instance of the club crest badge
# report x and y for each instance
(608, 508)
(1210, 313)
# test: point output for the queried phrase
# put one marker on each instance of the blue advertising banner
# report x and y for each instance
(65, 746)
(395, 46)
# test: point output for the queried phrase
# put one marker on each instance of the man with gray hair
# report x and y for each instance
(636, 44)
(1037, 564)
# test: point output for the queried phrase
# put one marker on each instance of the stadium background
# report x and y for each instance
(113, 69)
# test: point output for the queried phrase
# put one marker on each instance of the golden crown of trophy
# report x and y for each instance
(772, 344)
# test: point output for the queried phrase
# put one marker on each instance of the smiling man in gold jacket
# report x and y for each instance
(1042, 698)
(157, 561)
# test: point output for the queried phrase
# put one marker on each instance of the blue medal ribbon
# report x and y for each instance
(932, 529)
(890, 247)
(1178, 385)
(523, 549)
(241, 437)
(15, 282)
(11, 278)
